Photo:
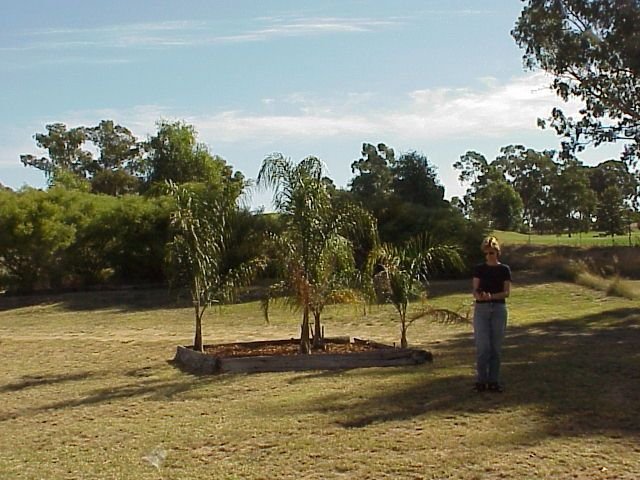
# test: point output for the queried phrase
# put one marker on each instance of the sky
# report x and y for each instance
(298, 77)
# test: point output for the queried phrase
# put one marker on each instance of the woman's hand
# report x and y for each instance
(482, 296)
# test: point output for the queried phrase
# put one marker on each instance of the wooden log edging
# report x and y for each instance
(382, 356)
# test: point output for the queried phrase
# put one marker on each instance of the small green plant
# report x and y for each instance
(405, 271)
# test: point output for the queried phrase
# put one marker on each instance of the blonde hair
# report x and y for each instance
(490, 242)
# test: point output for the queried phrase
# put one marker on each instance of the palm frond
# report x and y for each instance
(444, 315)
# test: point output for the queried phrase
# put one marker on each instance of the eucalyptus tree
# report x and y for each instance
(374, 178)
(611, 212)
(196, 254)
(615, 172)
(118, 169)
(531, 173)
(490, 198)
(404, 272)
(65, 149)
(571, 201)
(592, 48)
(115, 171)
(415, 180)
(315, 251)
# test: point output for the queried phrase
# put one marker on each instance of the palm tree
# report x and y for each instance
(314, 250)
(403, 272)
(196, 255)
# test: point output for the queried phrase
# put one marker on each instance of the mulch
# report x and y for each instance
(292, 348)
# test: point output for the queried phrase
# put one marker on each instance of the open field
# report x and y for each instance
(587, 239)
(88, 393)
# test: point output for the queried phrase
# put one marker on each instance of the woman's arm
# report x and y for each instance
(477, 294)
(506, 291)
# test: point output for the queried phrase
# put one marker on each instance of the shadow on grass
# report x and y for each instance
(123, 299)
(39, 380)
(141, 384)
(152, 389)
(582, 374)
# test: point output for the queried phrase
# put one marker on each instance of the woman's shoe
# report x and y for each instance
(480, 387)
(495, 387)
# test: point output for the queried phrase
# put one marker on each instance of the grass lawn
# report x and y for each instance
(586, 239)
(87, 392)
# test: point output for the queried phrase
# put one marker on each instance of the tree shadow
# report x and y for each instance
(583, 374)
(126, 299)
(152, 388)
(28, 381)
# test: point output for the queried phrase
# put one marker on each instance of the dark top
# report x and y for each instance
(492, 278)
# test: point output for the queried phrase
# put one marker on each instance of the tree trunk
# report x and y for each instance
(403, 334)
(197, 341)
(317, 331)
(305, 344)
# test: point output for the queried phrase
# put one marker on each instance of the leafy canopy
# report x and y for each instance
(592, 48)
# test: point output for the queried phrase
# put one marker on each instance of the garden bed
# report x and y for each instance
(284, 355)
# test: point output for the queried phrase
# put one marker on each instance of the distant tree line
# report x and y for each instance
(532, 191)
(105, 217)
(592, 50)
(116, 206)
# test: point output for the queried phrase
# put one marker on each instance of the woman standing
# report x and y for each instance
(491, 286)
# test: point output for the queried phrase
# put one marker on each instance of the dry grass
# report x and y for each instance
(88, 392)
(614, 271)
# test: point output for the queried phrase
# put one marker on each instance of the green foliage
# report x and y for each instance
(415, 180)
(373, 181)
(554, 194)
(404, 272)
(65, 151)
(131, 237)
(406, 199)
(315, 249)
(611, 219)
(175, 155)
(116, 170)
(592, 48)
(64, 238)
(499, 206)
(571, 202)
(530, 172)
(196, 255)
(490, 199)
(35, 231)
(615, 172)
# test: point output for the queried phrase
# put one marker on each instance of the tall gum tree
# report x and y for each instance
(592, 48)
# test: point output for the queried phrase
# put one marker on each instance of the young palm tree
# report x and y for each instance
(196, 255)
(314, 250)
(404, 272)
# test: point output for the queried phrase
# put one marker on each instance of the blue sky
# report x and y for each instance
(298, 77)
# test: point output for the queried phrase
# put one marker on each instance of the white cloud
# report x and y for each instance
(190, 33)
(442, 122)
(498, 109)
(495, 110)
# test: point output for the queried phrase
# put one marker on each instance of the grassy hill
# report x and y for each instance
(590, 239)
